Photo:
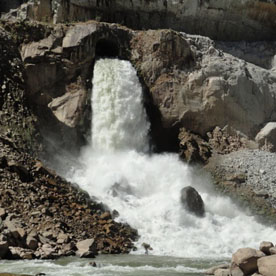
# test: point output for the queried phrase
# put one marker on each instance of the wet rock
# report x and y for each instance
(192, 201)
(265, 247)
(246, 260)
(86, 248)
(267, 265)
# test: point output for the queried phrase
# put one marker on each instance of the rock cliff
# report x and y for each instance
(187, 81)
(220, 20)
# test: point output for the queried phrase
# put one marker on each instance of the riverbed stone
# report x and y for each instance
(267, 265)
(246, 259)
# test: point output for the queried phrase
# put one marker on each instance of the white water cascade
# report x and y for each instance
(145, 188)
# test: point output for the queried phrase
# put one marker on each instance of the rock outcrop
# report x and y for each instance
(191, 84)
(223, 20)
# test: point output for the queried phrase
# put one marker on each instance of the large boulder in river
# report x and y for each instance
(192, 201)
(246, 260)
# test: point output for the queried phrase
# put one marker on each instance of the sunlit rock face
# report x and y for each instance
(220, 20)
(188, 81)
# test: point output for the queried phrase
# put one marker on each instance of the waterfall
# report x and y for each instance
(145, 189)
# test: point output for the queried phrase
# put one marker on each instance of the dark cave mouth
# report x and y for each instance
(107, 48)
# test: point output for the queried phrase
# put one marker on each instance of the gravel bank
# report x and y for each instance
(249, 176)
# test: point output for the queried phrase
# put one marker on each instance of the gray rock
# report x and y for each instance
(192, 201)
(68, 108)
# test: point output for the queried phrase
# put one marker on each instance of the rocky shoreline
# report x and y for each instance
(249, 261)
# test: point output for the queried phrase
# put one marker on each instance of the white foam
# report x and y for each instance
(144, 188)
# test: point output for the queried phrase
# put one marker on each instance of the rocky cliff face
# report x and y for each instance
(186, 79)
(220, 20)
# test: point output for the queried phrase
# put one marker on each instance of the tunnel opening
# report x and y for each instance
(107, 48)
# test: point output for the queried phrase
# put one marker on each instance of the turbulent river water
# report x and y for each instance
(118, 169)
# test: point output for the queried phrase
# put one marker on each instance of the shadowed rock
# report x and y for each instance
(192, 201)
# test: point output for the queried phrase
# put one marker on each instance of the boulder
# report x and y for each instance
(192, 201)
(68, 108)
(266, 138)
(86, 248)
(246, 259)
(267, 265)
(265, 247)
